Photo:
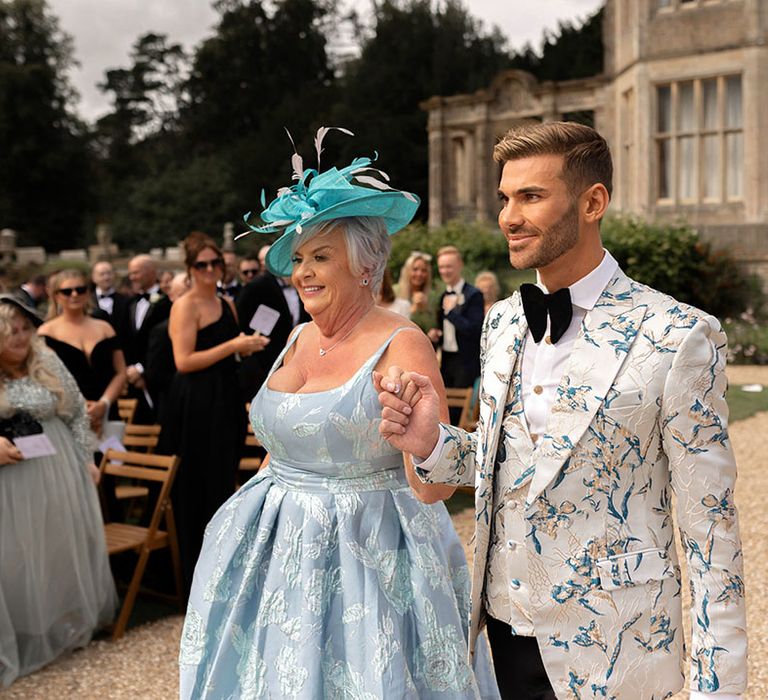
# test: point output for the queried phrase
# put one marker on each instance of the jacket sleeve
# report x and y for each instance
(456, 462)
(703, 475)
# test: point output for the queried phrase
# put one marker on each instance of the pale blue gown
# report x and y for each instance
(324, 577)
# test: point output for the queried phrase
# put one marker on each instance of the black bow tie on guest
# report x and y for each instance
(537, 304)
(110, 295)
(143, 295)
(448, 292)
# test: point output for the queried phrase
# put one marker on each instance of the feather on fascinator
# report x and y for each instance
(356, 190)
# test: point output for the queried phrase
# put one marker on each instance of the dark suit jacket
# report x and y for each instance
(264, 289)
(138, 339)
(119, 316)
(467, 318)
(160, 366)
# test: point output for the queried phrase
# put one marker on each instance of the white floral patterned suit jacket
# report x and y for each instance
(639, 414)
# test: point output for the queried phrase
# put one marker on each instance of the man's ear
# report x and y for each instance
(594, 202)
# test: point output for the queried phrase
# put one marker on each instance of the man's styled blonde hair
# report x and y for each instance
(586, 156)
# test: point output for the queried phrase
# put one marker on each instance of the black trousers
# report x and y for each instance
(520, 672)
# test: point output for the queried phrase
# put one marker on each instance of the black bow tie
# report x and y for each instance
(110, 295)
(449, 292)
(537, 305)
(143, 295)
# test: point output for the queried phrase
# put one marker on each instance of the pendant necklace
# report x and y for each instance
(325, 351)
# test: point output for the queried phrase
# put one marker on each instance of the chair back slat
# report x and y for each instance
(158, 475)
(139, 459)
(140, 429)
(126, 409)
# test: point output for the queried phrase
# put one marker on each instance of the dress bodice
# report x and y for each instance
(92, 373)
(330, 439)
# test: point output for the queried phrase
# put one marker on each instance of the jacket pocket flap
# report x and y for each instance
(634, 568)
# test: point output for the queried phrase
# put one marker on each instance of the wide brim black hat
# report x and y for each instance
(23, 306)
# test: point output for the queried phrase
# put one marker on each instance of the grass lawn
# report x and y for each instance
(744, 404)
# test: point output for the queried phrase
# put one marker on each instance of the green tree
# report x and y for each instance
(573, 51)
(44, 181)
(415, 51)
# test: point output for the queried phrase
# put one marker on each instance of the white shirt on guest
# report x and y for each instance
(142, 305)
(450, 344)
(106, 303)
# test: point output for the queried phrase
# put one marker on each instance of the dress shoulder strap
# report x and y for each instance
(377, 355)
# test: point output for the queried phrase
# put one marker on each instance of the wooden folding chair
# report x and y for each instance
(122, 537)
(252, 463)
(143, 437)
(461, 398)
(126, 408)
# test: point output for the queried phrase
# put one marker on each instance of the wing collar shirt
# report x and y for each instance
(142, 305)
(450, 344)
(291, 298)
(106, 300)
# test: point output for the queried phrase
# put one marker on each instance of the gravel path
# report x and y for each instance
(142, 665)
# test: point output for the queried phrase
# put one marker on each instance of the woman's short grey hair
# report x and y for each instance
(368, 245)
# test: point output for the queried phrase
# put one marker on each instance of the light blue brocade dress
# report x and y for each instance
(324, 577)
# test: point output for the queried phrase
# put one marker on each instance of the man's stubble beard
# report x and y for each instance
(557, 240)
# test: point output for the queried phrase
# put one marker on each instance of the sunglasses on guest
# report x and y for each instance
(250, 272)
(68, 291)
(203, 265)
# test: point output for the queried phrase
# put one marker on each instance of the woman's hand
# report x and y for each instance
(246, 345)
(418, 301)
(96, 411)
(9, 453)
(95, 473)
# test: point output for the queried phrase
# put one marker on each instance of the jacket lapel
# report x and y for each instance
(606, 335)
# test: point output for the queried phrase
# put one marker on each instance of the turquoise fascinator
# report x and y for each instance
(357, 190)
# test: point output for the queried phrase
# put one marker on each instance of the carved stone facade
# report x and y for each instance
(682, 100)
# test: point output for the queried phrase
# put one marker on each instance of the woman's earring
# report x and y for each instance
(365, 282)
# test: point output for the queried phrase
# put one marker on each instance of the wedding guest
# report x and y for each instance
(248, 268)
(459, 322)
(33, 291)
(600, 398)
(387, 299)
(204, 418)
(488, 284)
(88, 347)
(230, 283)
(148, 307)
(415, 286)
(325, 576)
(164, 280)
(160, 368)
(56, 588)
(278, 296)
(108, 299)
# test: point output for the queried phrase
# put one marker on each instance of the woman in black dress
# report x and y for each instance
(204, 422)
(87, 346)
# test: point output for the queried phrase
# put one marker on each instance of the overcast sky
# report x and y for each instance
(104, 30)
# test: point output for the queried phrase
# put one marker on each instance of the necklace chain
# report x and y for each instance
(325, 351)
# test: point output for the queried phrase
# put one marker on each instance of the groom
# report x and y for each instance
(600, 398)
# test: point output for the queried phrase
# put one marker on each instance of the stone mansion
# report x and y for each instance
(682, 100)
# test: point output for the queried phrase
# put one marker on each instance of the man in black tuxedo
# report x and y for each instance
(148, 307)
(113, 304)
(33, 291)
(160, 366)
(230, 285)
(276, 293)
(459, 322)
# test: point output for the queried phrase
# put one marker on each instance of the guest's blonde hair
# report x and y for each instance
(491, 276)
(36, 363)
(56, 281)
(404, 290)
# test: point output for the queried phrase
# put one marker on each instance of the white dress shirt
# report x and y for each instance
(142, 306)
(106, 303)
(292, 299)
(450, 344)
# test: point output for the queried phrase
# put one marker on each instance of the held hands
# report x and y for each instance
(246, 345)
(133, 374)
(410, 411)
(9, 453)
